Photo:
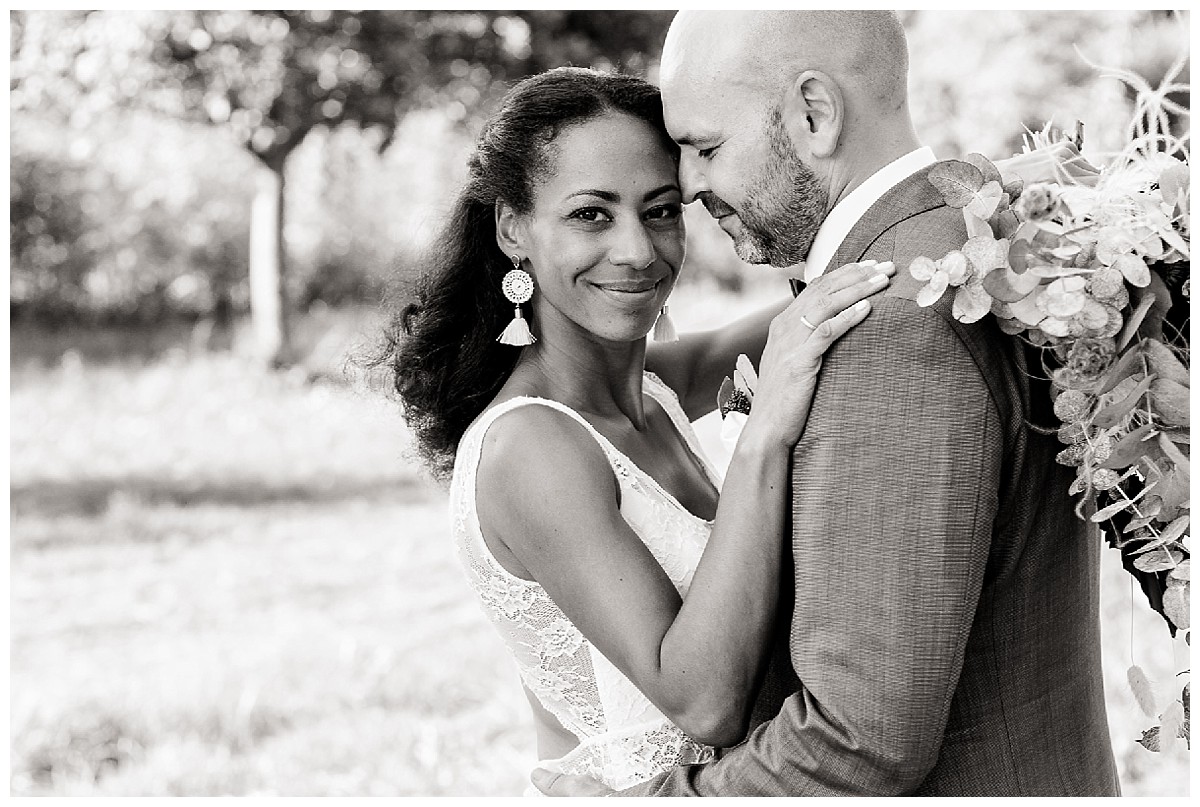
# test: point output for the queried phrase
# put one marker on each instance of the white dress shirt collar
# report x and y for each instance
(850, 209)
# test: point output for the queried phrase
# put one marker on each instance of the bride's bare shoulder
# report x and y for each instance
(538, 446)
(542, 479)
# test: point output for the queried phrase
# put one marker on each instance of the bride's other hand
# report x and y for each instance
(797, 340)
(565, 784)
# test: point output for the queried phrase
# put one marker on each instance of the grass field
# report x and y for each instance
(229, 583)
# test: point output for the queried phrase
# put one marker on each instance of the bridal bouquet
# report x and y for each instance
(1091, 268)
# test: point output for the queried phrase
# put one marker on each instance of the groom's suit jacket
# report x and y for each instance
(944, 632)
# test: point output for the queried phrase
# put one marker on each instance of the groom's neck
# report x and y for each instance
(879, 145)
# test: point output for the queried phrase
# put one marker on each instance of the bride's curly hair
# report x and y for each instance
(440, 344)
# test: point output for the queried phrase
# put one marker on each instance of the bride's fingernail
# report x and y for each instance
(878, 280)
(861, 305)
(888, 267)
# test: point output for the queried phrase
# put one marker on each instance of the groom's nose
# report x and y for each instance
(691, 178)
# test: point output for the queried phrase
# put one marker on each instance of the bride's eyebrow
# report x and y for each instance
(615, 198)
(660, 191)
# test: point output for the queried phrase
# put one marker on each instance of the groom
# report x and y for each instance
(944, 631)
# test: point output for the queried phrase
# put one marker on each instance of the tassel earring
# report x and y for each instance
(664, 328)
(518, 288)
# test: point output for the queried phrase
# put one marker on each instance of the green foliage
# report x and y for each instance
(267, 80)
(130, 227)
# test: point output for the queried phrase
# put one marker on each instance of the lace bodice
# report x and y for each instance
(623, 738)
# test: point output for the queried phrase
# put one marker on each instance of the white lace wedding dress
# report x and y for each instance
(623, 738)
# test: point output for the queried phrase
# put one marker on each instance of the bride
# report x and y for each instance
(637, 605)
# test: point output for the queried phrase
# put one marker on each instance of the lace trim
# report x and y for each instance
(621, 761)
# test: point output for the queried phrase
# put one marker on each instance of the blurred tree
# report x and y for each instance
(271, 77)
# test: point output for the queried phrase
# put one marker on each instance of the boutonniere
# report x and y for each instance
(734, 400)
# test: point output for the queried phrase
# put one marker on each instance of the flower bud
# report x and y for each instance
(1037, 202)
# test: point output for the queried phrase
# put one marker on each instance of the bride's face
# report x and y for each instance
(605, 238)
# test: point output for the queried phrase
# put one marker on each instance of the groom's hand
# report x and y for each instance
(563, 784)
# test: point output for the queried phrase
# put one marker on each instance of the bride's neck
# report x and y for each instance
(587, 374)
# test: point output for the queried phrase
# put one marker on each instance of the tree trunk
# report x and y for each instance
(268, 261)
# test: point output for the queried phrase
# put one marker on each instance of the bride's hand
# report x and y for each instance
(797, 340)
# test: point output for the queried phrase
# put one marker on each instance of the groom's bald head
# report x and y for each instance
(762, 52)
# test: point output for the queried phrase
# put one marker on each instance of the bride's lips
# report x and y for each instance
(630, 290)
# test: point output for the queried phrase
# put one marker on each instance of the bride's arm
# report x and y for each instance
(549, 505)
(695, 366)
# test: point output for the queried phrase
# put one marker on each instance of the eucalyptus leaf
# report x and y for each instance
(1106, 513)
(957, 181)
(1151, 325)
(1164, 362)
(1134, 320)
(1129, 363)
(1027, 232)
(1018, 256)
(1134, 269)
(1111, 414)
(1159, 560)
(1175, 492)
(1144, 520)
(1182, 462)
(1004, 222)
(1177, 241)
(985, 201)
(1154, 543)
(1171, 402)
(1175, 529)
(1180, 437)
(1171, 181)
(976, 227)
(1008, 286)
(971, 303)
(986, 167)
(1027, 310)
(1177, 601)
(1014, 187)
(986, 254)
(1126, 451)
(1050, 270)
(1012, 327)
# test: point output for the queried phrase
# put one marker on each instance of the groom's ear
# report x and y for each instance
(813, 112)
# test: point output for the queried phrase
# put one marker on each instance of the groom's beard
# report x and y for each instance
(784, 208)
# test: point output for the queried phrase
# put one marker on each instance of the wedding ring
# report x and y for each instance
(804, 321)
